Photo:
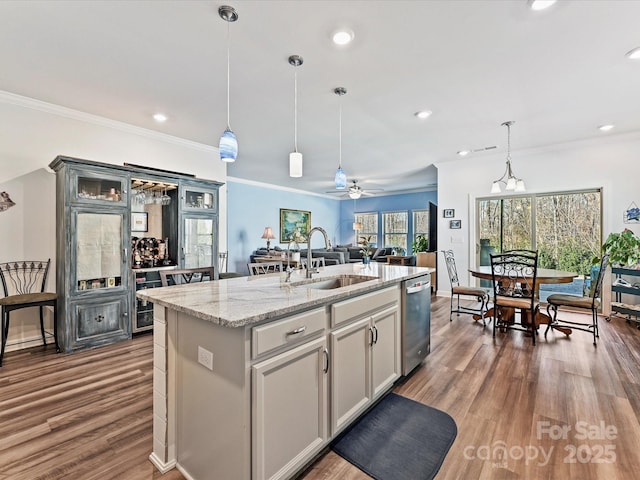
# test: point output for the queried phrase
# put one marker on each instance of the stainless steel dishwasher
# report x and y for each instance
(416, 321)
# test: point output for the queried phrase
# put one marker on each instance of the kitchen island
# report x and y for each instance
(254, 376)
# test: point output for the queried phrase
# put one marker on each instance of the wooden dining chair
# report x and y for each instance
(262, 268)
(514, 280)
(456, 290)
(186, 275)
(315, 262)
(23, 284)
(590, 302)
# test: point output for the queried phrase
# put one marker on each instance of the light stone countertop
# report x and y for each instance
(240, 301)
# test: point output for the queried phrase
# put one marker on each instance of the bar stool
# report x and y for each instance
(23, 284)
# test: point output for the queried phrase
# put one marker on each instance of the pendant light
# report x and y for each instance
(341, 177)
(295, 157)
(228, 141)
(511, 182)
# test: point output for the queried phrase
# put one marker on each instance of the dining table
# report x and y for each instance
(543, 275)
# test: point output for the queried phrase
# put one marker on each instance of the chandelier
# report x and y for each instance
(511, 182)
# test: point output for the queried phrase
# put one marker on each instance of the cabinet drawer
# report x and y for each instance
(351, 309)
(290, 330)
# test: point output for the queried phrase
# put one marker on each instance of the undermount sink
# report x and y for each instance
(334, 282)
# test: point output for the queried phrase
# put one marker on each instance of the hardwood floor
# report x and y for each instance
(88, 415)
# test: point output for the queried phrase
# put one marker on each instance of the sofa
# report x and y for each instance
(331, 257)
(353, 254)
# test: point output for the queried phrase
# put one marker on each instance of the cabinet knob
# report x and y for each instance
(125, 314)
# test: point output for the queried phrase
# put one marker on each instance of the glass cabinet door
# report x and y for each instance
(95, 187)
(199, 199)
(99, 261)
(199, 236)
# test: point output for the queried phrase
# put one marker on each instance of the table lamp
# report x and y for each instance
(268, 234)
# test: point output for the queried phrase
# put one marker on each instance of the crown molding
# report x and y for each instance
(53, 109)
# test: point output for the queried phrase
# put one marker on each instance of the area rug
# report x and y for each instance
(399, 439)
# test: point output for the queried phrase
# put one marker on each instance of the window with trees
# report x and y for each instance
(369, 222)
(565, 227)
(420, 224)
(395, 229)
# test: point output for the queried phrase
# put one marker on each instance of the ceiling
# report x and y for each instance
(475, 64)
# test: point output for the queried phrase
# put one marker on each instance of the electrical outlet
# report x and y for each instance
(205, 357)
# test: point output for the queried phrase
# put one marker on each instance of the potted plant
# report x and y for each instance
(623, 249)
(419, 248)
(365, 248)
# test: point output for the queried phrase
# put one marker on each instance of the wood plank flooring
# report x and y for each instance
(88, 415)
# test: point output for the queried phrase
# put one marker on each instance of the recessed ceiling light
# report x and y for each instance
(463, 153)
(423, 114)
(159, 117)
(538, 5)
(343, 37)
(633, 54)
(606, 127)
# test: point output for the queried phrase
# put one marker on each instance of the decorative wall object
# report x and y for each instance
(139, 221)
(455, 224)
(5, 202)
(449, 213)
(632, 214)
(294, 225)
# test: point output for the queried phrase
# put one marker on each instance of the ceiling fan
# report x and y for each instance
(355, 191)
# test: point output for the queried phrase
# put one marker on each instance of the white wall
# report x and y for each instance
(610, 163)
(33, 133)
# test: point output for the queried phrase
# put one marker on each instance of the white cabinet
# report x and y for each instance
(365, 354)
(290, 408)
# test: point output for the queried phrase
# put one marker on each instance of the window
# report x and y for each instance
(565, 228)
(369, 223)
(420, 224)
(395, 227)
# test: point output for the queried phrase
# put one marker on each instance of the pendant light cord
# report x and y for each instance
(340, 136)
(228, 69)
(295, 111)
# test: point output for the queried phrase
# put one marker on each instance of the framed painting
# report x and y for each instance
(294, 225)
(449, 213)
(455, 224)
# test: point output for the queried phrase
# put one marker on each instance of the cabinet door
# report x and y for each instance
(289, 418)
(100, 320)
(197, 199)
(199, 243)
(386, 355)
(99, 257)
(350, 372)
(98, 187)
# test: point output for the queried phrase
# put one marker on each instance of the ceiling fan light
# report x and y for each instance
(495, 188)
(228, 146)
(295, 164)
(355, 194)
(341, 179)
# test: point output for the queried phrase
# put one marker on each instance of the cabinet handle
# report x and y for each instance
(297, 330)
(375, 329)
(371, 339)
(325, 352)
(124, 255)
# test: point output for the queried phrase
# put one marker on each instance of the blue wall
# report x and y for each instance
(387, 203)
(251, 207)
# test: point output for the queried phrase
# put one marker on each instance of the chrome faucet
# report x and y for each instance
(289, 269)
(327, 244)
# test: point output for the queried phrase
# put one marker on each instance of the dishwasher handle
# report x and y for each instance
(418, 287)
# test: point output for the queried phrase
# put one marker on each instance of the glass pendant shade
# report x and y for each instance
(495, 188)
(341, 179)
(520, 186)
(511, 183)
(295, 164)
(228, 146)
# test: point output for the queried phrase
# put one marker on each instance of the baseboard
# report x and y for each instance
(160, 465)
